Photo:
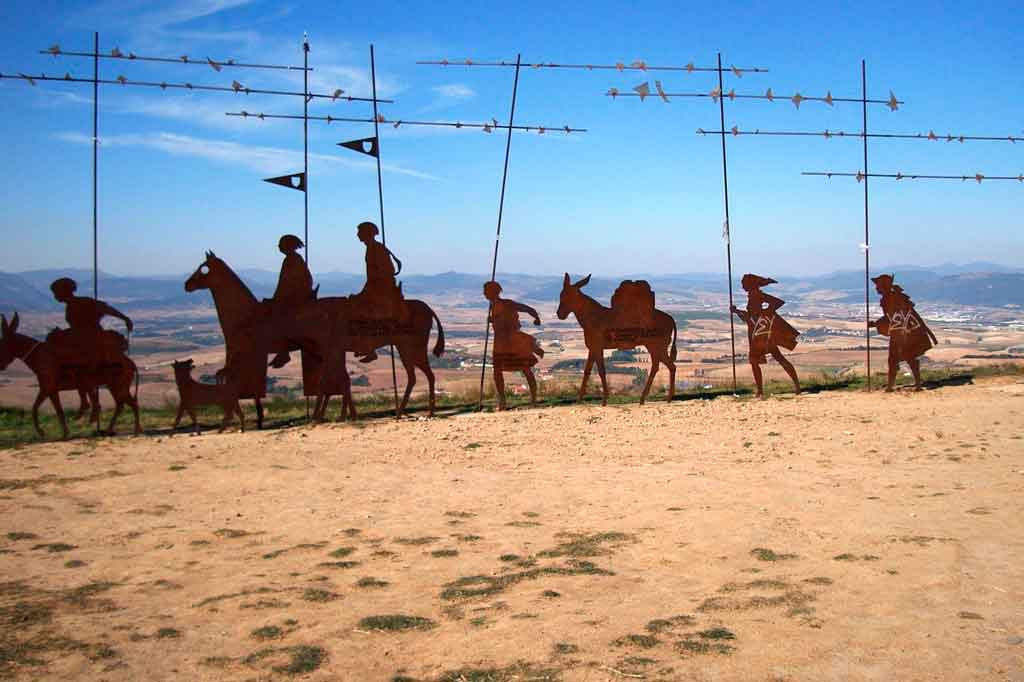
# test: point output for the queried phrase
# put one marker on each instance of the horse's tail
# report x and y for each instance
(439, 346)
(674, 330)
(135, 369)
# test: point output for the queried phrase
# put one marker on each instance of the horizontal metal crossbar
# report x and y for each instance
(486, 127)
(216, 64)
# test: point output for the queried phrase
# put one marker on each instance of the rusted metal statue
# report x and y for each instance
(323, 329)
(631, 321)
(767, 331)
(294, 289)
(379, 309)
(909, 336)
(54, 375)
(193, 394)
(514, 350)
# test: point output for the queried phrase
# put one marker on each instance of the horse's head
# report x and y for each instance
(571, 297)
(7, 348)
(205, 274)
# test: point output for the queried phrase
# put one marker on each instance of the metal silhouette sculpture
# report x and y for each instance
(514, 350)
(767, 331)
(193, 394)
(632, 321)
(324, 329)
(909, 336)
(379, 310)
(294, 289)
(53, 375)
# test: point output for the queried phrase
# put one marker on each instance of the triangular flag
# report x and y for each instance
(828, 98)
(661, 92)
(735, 130)
(769, 95)
(739, 74)
(716, 93)
(614, 92)
(54, 49)
(797, 98)
(893, 104)
(116, 53)
(690, 67)
(643, 90)
(860, 176)
(979, 177)
(294, 181)
(931, 135)
(214, 65)
(366, 145)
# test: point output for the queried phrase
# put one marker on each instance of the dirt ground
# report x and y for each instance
(835, 536)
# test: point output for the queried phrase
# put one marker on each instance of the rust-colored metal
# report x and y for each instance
(192, 394)
(80, 359)
(514, 349)
(909, 336)
(767, 331)
(324, 329)
(632, 321)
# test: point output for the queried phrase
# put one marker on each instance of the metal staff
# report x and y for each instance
(497, 235)
(380, 198)
(829, 134)
(867, 240)
(727, 231)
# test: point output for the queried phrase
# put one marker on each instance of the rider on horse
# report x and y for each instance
(381, 298)
(85, 342)
(294, 289)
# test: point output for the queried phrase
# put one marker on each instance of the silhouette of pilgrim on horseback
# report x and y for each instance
(766, 331)
(294, 289)
(381, 298)
(513, 349)
(85, 342)
(909, 336)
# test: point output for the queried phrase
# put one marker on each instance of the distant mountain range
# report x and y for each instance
(986, 284)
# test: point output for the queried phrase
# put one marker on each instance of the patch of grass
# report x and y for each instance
(468, 538)
(551, 594)
(522, 524)
(216, 661)
(662, 624)
(317, 595)
(369, 582)
(74, 563)
(24, 614)
(460, 514)
(425, 540)
(792, 598)
(509, 557)
(444, 553)
(352, 532)
(700, 646)
(518, 672)
(761, 584)
(267, 632)
(54, 547)
(488, 585)
(819, 580)
(765, 554)
(168, 633)
(338, 564)
(642, 641)
(273, 555)
(232, 595)
(716, 633)
(563, 648)
(82, 596)
(176, 467)
(586, 544)
(301, 659)
(21, 535)
(970, 615)
(396, 623)
(231, 533)
(342, 552)
(472, 446)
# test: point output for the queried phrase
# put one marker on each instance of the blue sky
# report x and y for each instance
(640, 192)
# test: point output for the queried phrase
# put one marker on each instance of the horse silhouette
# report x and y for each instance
(53, 377)
(599, 333)
(247, 342)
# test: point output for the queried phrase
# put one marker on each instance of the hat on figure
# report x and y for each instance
(750, 281)
(63, 287)
(883, 281)
(289, 243)
(367, 229)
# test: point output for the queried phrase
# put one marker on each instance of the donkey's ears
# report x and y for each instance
(566, 280)
(3, 324)
(13, 327)
(583, 282)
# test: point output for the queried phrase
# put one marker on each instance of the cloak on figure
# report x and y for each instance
(766, 329)
(909, 336)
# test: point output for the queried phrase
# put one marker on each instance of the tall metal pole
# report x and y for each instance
(95, 148)
(728, 225)
(497, 236)
(305, 139)
(380, 198)
(305, 155)
(867, 241)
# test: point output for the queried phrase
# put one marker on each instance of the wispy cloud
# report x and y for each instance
(269, 160)
(456, 91)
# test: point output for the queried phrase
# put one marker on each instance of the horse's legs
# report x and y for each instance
(118, 406)
(604, 379)
(35, 414)
(532, 381)
(410, 381)
(654, 354)
(83, 403)
(586, 376)
(177, 417)
(195, 421)
(671, 376)
(259, 413)
(55, 399)
(94, 416)
(431, 398)
(788, 366)
(499, 383)
(241, 416)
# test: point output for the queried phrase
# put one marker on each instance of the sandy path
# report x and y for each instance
(918, 495)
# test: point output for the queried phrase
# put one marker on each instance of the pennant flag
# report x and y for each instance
(769, 95)
(31, 81)
(620, 66)
(294, 181)
(860, 176)
(797, 98)
(116, 53)
(54, 49)
(236, 86)
(336, 94)
(979, 177)
(716, 93)
(892, 103)
(614, 92)
(214, 65)
(735, 130)
(366, 145)
(639, 64)
(739, 74)
(931, 135)
(690, 67)
(828, 98)
(643, 90)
